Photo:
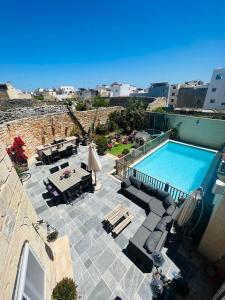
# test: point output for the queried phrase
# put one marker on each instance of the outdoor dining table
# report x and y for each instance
(65, 183)
(61, 148)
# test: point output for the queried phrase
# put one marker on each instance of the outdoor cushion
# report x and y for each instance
(168, 201)
(151, 221)
(156, 206)
(126, 183)
(160, 194)
(152, 241)
(161, 226)
(143, 196)
(132, 190)
(135, 182)
(170, 210)
(141, 236)
(147, 188)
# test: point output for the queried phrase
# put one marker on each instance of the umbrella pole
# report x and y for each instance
(95, 178)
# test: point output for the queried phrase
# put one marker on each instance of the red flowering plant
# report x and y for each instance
(16, 151)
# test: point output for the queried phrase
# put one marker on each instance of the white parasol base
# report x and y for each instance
(98, 186)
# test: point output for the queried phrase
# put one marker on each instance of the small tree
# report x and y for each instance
(16, 151)
(100, 102)
(102, 144)
(81, 105)
(65, 290)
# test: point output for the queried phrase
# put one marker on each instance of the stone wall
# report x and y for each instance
(40, 130)
(86, 118)
(16, 218)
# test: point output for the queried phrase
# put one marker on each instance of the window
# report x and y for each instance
(31, 277)
(212, 101)
(173, 94)
(219, 76)
(213, 89)
(172, 100)
(223, 103)
(174, 87)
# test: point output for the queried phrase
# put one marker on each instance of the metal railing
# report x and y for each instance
(156, 183)
(124, 170)
(139, 152)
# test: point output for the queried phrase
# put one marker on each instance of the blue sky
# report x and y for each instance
(87, 42)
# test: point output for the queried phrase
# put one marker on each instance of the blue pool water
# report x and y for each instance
(181, 165)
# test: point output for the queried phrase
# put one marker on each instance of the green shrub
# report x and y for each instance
(81, 106)
(65, 290)
(125, 151)
(101, 129)
(102, 144)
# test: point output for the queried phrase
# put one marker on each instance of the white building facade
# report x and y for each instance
(121, 90)
(215, 97)
(67, 90)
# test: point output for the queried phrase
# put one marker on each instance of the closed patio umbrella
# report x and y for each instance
(94, 163)
(188, 207)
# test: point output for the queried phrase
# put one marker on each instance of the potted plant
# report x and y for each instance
(66, 173)
(66, 289)
(17, 155)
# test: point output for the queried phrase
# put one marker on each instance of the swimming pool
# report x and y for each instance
(181, 165)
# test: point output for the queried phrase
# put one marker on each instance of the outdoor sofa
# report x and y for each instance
(160, 210)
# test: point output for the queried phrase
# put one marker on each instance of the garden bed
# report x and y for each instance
(117, 150)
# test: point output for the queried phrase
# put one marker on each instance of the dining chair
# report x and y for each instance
(64, 165)
(55, 156)
(54, 169)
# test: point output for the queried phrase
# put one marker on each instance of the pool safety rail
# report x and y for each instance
(139, 152)
(124, 170)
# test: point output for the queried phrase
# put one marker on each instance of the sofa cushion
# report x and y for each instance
(126, 183)
(152, 241)
(135, 182)
(160, 194)
(170, 210)
(161, 226)
(151, 221)
(140, 236)
(132, 190)
(143, 196)
(168, 201)
(147, 188)
(157, 207)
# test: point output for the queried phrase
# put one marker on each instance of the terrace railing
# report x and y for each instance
(156, 183)
(124, 170)
(139, 152)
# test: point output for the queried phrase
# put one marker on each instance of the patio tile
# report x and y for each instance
(121, 240)
(145, 290)
(95, 275)
(87, 263)
(41, 209)
(104, 260)
(83, 244)
(86, 285)
(118, 270)
(94, 251)
(100, 292)
(131, 281)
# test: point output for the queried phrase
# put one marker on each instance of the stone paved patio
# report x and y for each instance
(101, 269)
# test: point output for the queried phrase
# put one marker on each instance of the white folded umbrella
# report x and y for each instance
(94, 163)
(187, 208)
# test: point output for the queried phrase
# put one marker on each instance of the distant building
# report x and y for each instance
(7, 91)
(67, 90)
(158, 89)
(103, 90)
(184, 96)
(121, 89)
(215, 98)
(86, 94)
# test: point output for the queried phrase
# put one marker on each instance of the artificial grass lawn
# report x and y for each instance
(116, 150)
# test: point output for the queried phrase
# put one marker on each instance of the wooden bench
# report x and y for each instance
(112, 212)
(116, 217)
(122, 225)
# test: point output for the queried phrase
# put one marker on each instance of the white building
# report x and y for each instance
(121, 89)
(103, 90)
(215, 97)
(67, 90)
